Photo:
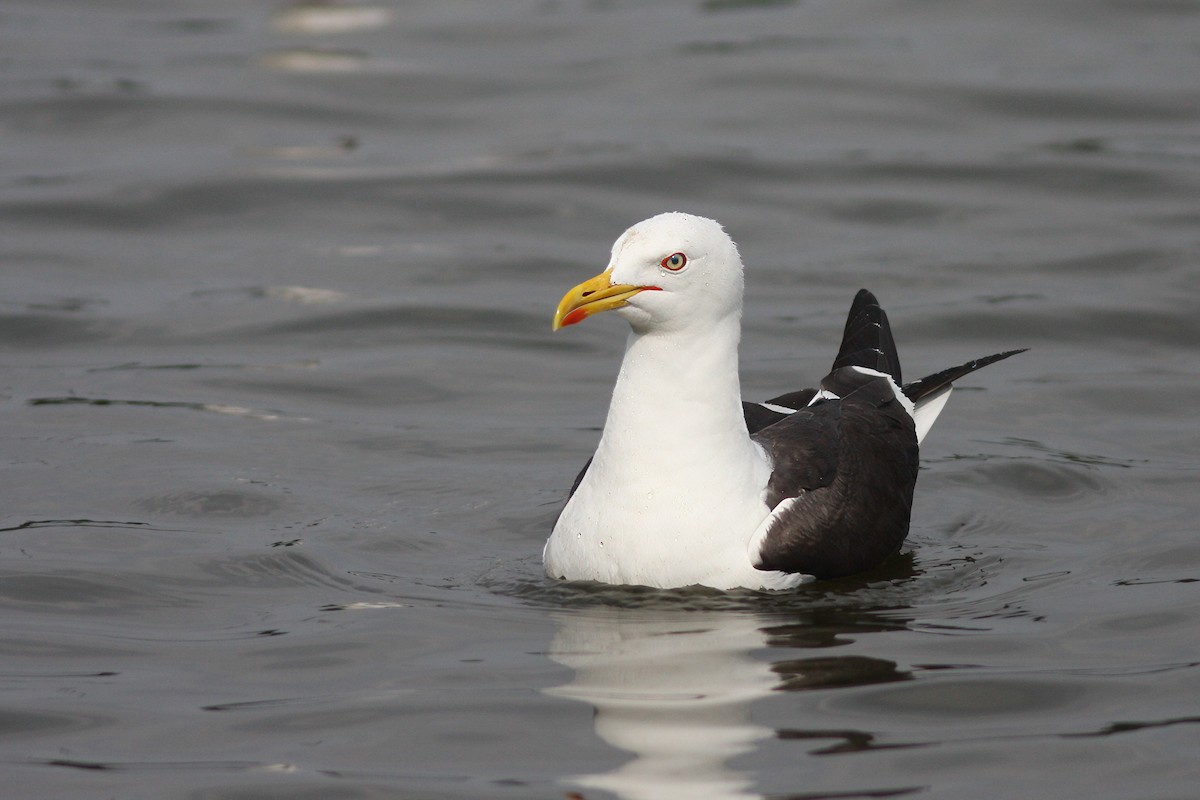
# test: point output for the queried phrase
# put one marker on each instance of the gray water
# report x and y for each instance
(285, 426)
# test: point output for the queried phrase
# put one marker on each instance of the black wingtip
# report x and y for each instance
(867, 338)
(931, 384)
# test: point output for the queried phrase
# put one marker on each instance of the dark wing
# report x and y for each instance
(847, 466)
(866, 342)
(938, 382)
(759, 416)
(867, 339)
(794, 400)
(851, 465)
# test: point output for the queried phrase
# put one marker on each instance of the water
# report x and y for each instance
(285, 426)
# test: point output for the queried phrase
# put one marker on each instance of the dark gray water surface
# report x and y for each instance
(285, 427)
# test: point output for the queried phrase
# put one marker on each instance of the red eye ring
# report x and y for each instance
(674, 262)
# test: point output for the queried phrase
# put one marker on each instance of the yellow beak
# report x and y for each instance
(593, 296)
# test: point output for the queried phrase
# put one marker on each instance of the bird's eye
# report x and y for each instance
(675, 262)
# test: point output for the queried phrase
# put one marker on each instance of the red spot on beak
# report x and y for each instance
(578, 315)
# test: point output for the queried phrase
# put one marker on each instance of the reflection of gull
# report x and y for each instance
(329, 18)
(672, 687)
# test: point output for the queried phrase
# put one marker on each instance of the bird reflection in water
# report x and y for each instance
(675, 688)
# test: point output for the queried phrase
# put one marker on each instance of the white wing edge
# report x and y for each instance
(774, 579)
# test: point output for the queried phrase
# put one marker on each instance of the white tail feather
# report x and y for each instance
(927, 409)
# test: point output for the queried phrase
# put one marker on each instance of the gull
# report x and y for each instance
(690, 485)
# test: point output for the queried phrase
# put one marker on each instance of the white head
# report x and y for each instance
(669, 272)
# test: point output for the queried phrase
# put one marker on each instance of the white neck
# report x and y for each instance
(677, 396)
